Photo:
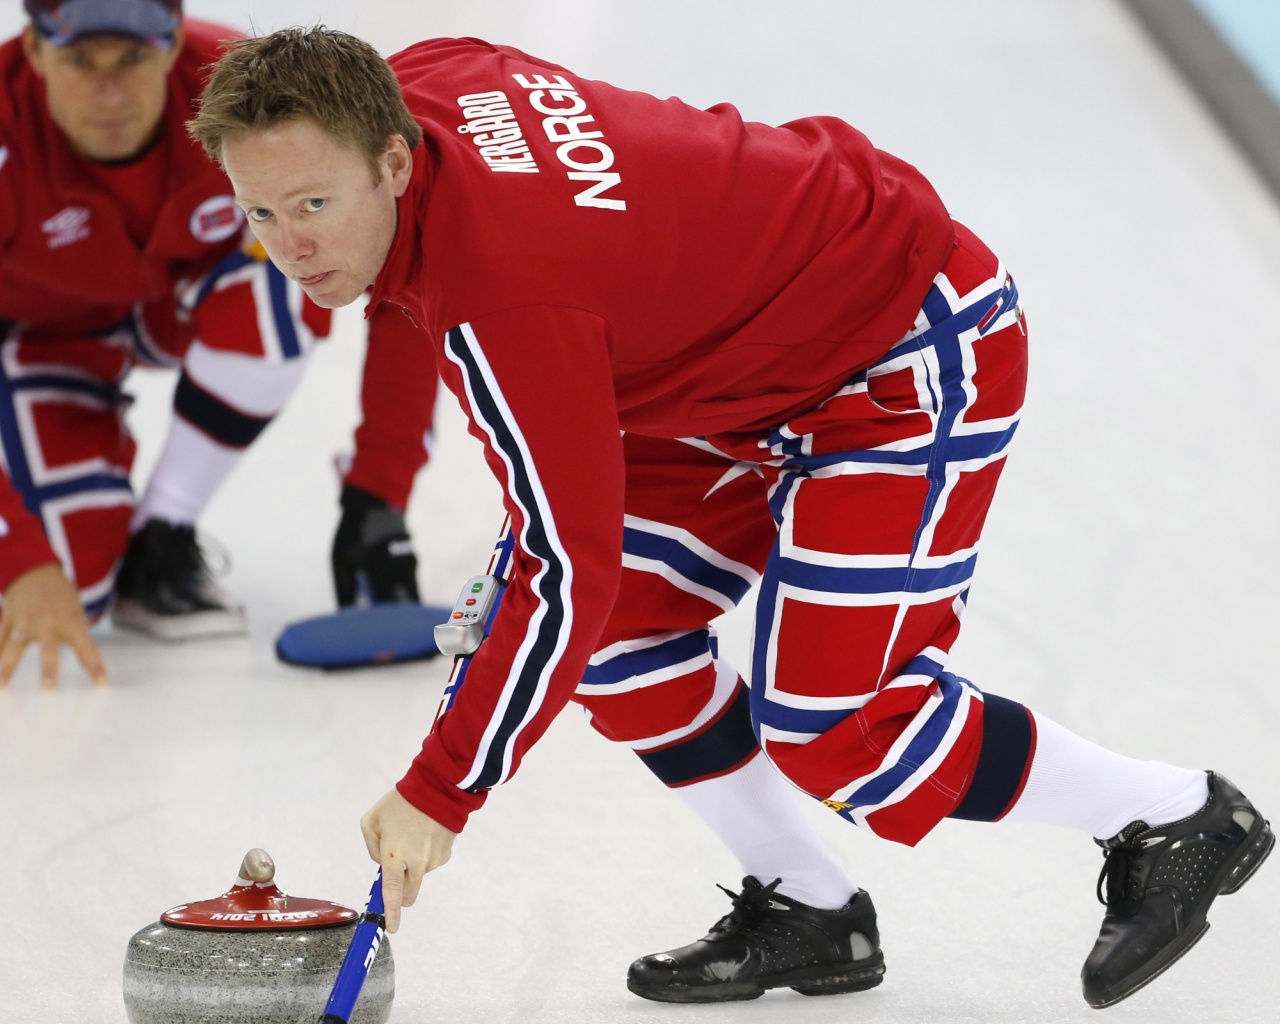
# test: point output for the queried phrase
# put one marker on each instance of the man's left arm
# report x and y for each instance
(397, 396)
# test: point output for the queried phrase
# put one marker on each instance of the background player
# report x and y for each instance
(870, 373)
(119, 245)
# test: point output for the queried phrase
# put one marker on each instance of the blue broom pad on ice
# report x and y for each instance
(379, 634)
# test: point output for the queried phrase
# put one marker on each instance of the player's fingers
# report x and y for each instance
(344, 580)
(440, 857)
(11, 648)
(90, 657)
(412, 885)
(392, 892)
(48, 660)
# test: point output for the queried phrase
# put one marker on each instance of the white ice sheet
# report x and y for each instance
(1127, 589)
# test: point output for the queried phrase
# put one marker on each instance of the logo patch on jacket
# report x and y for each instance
(216, 219)
(67, 226)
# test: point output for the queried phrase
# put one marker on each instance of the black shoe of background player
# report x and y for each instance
(164, 588)
(1160, 883)
(768, 941)
(372, 555)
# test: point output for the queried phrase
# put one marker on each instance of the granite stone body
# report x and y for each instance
(205, 976)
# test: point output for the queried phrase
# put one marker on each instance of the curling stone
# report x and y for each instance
(253, 954)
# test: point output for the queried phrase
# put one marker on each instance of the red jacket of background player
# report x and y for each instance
(79, 253)
(593, 260)
(67, 261)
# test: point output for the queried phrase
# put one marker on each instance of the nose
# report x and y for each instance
(295, 245)
(110, 92)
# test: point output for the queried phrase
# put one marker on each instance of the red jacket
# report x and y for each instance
(397, 407)
(593, 260)
(69, 261)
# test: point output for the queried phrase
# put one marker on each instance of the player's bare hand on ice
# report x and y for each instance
(42, 607)
(408, 844)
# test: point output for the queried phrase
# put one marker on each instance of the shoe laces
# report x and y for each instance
(748, 905)
(205, 556)
(1121, 866)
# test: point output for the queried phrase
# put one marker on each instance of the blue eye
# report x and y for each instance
(313, 205)
(257, 214)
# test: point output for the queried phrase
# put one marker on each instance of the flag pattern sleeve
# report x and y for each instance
(397, 399)
(536, 385)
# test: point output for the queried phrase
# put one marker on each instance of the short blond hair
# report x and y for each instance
(337, 80)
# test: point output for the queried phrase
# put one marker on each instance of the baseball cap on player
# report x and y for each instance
(64, 21)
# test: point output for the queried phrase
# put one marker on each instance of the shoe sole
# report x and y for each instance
(132, 616)
(809, 981)
(1250, 858)
(853, 980)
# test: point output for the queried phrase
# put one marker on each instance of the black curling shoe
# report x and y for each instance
(166, 589)
(768, 941)
(1160, 883)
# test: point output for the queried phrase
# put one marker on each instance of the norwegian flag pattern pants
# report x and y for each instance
(860, 521)
(64, 444)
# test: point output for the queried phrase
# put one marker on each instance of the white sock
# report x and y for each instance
(1081, 785)
(756, 814)
(193, 465)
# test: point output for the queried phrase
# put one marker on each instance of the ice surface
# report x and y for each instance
(1127, 587)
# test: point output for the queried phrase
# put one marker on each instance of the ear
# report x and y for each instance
(399, 164)
(31, 48)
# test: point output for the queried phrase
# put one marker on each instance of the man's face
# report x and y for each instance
(106, 93)
(313, 205)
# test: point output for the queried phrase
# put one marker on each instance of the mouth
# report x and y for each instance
(112, 124)
(310, 282)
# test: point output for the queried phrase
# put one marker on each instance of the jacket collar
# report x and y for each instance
(399, 281)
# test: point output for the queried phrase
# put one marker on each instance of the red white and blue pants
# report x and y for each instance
(859, 520)
(65, 447)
